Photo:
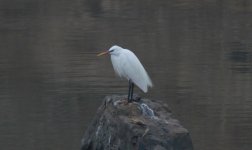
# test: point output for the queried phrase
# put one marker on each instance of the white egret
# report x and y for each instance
(127, 65)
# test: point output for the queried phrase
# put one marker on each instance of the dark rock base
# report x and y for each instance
(142, 125)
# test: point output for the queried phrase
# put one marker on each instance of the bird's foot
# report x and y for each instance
(127, 101)
(136, 98)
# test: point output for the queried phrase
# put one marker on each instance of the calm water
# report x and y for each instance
(198, 54)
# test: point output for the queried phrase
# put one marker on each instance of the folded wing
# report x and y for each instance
(128, 65)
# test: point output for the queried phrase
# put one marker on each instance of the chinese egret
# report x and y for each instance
(127, 65)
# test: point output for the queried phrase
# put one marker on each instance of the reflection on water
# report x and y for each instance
(198, 54)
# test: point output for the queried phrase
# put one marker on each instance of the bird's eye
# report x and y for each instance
(111, 50)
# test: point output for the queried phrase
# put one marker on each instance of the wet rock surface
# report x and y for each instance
(141, 125)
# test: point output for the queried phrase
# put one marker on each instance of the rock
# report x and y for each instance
(141, 125)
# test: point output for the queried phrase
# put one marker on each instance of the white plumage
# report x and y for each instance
(126, 64)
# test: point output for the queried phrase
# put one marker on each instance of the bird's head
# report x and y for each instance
(114, 50)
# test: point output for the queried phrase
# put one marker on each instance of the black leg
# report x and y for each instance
(132, 89)
(129, 92)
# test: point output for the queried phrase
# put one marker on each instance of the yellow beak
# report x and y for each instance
(103, 53)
